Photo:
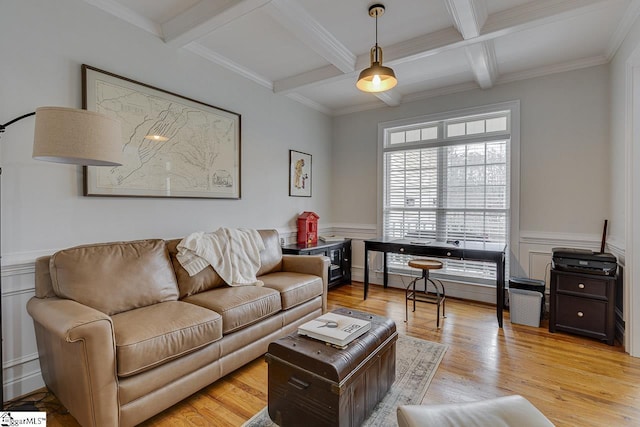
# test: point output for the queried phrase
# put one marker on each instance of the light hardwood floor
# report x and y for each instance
(574, 381)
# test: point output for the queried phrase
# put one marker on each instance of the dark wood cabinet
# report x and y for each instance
(583, 304)
(338, 252)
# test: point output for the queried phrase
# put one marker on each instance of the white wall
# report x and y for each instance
(44, 44)
(564, 179)
(625, 161)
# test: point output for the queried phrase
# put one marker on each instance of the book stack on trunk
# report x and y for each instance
(335, 329)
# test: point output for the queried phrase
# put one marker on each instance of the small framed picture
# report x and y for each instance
(299, 174)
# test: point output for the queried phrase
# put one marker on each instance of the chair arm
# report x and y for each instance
(318, 265)
(77, 351)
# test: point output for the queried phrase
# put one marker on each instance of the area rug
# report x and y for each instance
(416, 363)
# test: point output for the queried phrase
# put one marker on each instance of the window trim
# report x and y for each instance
(514, 108)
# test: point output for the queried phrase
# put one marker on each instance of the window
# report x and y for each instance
(449, 179)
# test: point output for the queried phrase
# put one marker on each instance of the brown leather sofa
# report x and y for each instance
(123, 332)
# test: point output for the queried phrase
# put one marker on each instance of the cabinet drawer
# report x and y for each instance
(586, 286)
(583, 314)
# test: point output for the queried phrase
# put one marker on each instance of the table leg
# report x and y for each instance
(500, 290)
(366, 271)
(385, 273)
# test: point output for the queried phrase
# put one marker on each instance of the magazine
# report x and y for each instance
(331, 239)
(335, 329)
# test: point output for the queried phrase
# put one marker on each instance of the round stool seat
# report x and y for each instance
(425, 264)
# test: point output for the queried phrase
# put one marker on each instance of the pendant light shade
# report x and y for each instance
(376, 78)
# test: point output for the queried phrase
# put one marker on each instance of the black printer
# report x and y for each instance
(584, 261)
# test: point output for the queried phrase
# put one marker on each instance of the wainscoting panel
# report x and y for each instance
(540, 266)
(21, 369)
(20, 356)
(533, 259)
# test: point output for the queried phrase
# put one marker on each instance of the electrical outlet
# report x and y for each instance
(282, 241)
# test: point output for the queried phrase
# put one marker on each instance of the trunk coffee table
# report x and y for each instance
(315, 384)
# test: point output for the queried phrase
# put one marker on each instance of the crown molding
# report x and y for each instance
(537, 13)
(358, 108)
(122, 12)
(447, 90)
(552, 69)
(463, 87)
(630, 15)
(308, 102)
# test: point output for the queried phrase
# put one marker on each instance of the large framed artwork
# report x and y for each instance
(299, 174)
(173, 146)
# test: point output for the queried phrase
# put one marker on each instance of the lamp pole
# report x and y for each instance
(72, 136)
(2, 129)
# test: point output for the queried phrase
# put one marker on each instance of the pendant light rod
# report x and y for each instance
(376, 10)
(376, 13)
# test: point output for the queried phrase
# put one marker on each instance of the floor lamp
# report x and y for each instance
(69, 135)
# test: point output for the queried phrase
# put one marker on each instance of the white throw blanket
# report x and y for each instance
(233, 253)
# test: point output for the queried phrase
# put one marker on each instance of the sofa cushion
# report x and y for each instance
(294, 288)
(115, 277)
(240, 306)
(153, 335)
(271, 256)
(189, 285)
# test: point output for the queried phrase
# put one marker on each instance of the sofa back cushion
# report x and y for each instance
(190, 285)
(207, 279)
(115, 277)
(271, 256)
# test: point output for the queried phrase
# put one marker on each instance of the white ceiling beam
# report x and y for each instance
(216, 58)
(203, 18)
(482, 58)
(417, 48)
(301, 24)
(410, 50)
(391, 97)
(320, 75)
(528, 15)
(468, 16)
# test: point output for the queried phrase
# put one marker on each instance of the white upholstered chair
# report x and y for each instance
(508, 411)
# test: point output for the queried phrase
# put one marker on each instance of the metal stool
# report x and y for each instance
(437, 297)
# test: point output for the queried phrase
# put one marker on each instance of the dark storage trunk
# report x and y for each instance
(314, 384)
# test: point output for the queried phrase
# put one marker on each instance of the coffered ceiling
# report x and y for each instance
(313, 50)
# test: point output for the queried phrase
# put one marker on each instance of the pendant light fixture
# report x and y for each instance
(376, 78)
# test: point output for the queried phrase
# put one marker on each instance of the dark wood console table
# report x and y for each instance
(473, 251)
(338, 252)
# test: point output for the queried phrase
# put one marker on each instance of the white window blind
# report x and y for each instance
(449, 180)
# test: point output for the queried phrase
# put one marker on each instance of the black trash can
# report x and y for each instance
(529, 285)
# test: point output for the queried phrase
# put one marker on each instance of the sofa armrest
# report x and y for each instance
(77, 353)
(318, 265)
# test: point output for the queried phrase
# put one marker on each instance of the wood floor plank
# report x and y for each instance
(573, 380)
